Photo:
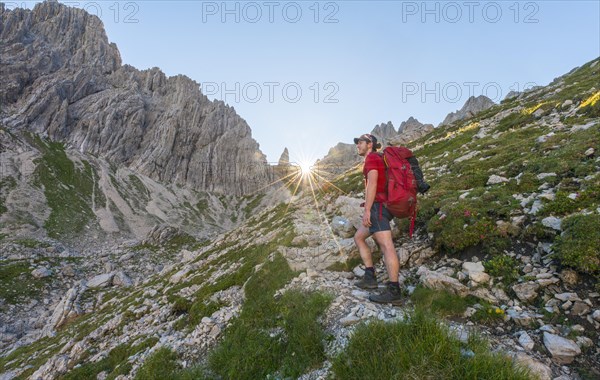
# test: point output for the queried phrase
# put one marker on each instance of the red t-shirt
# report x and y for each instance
(375, 162)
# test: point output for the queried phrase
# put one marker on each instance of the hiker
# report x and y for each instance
(376, 222)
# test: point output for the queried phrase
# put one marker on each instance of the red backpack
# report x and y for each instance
(401, 184)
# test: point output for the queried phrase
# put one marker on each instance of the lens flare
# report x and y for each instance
(305, 168)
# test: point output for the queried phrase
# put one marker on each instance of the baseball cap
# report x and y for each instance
(366, 137)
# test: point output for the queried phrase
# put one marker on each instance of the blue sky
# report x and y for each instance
(356, 63)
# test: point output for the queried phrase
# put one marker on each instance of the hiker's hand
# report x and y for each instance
(367, 218)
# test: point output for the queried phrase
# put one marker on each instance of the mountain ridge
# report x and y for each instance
(72, 87)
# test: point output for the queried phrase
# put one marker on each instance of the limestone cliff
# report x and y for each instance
(61, 78)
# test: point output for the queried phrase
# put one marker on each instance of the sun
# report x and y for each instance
(305, 167)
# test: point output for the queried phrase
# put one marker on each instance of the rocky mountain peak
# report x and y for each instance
(284, 159)
(384, 132)
(162, 127)
(410, 130)
(472, 106)
(409, 125)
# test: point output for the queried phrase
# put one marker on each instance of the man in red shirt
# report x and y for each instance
(376, 222)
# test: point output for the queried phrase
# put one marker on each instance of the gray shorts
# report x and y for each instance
(380, 218)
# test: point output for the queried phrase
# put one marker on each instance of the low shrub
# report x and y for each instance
(503, 266)
(577, 246)
(459, 227)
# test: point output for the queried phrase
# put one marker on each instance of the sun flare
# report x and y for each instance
(305, 168)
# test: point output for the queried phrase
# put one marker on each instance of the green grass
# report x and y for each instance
(418, 348)
(32, 355)
(68, 189)
(440, 303)
(468, 223)
(161, 365)
(115, 364)
(353, 262)
(578, 245)
(272, 337)
(17, 284)
(31, 243)
(578, 83)
(252, 204)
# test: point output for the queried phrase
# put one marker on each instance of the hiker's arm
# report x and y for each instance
(370, 192)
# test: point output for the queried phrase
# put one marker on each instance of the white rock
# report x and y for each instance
(349, 320)
(552, 222)
(476, 271)
(580, 308)
(41, 273)
(542, 371)
(496, 179)
(187, 256)
(342, 227)
(567, 297)
(350, 209)
(589, 152)
(538, 113)
(526, 291)
(121, 279)
(101, 281)
(596, 315)
(522, 318)
(526, 342)
(312, 273)
(545, 175)
(435, 280)
(467, 156)
(584, 341)
(563, 350)
(469, 312)
(485, 294)
(544, 138)
(179, 276)
(358, 271)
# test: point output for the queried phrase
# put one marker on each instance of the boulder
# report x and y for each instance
(542, 371)
(350, 209)
(121, 279)
(439, 281)
(567, 297)
(563, 350)
(525, 341)
(101, 280)
(496, 179)
(66, 309)
(41, 273)
(526, 291)
(410, 255)
(476, 272)
(552, 222)
(342, 227)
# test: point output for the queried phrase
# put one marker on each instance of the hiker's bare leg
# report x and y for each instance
(360, 238)
(386, 244)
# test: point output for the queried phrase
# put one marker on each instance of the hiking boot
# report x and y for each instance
(391, 294)
(369, 281)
